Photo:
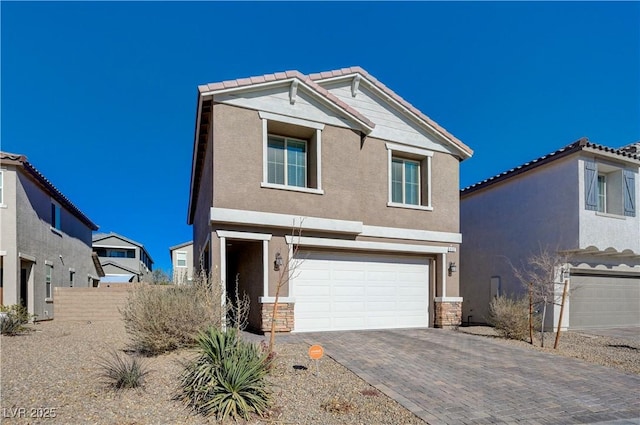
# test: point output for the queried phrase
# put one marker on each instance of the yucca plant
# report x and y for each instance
(121, 371)
(228, 377)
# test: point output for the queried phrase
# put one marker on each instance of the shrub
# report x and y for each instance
(14, 318)
(165, 318)
(228, 377)
(510, 317)
(121, 371)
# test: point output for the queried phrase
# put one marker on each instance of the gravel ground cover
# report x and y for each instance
(623, 354)
(52, 372)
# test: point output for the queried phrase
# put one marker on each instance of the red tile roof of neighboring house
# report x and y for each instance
(19, 159)
(578, 145)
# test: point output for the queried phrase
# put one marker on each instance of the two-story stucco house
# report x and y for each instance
(182, 263)
(45, 240)
(369, 180)
(123, 259)
(579, 201)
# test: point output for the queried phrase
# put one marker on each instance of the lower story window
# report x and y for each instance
(47, 281)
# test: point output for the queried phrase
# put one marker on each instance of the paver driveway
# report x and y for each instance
(446, 377)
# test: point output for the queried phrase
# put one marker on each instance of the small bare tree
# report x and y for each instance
(286, 271)
(238, 308)
(540, 274)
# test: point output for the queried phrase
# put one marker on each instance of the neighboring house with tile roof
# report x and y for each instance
(123, 259)
(182, 263)
(45, 242)
(579, 200)
(370, 180)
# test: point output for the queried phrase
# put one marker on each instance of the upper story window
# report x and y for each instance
(609, 189)
(181, 259)
(409, 177)
(55, 215)
(1, 187)
(116, 253)
(292, 151)
(405, 181)
(287, 161)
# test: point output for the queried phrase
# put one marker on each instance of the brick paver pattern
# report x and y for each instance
(445, 377)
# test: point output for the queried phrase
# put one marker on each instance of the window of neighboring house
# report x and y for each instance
(181, 259)
(602, 193)
(292, 153)
(71, 276)
(47, 280)
(55, 215)
(1, 188)
(409, 177)
(609, 188)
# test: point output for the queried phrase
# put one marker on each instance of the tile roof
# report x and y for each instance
(279, 76)
(578, 145)
(22, 160)
(358, 70)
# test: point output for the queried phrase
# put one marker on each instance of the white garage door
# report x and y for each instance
(604, 301)
(344, 291)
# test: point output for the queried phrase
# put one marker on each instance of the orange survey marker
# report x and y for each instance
(316, 352)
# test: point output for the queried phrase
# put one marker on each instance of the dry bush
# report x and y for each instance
(338, 404)
(510, 317)
(165, 318)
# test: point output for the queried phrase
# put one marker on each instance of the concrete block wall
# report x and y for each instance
(94, 304)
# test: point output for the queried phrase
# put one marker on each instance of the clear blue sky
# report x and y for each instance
(101, 96)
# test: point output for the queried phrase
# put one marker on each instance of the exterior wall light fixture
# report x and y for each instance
(278, 262)
(452, 268)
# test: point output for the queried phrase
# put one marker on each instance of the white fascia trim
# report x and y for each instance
(273, 300)
(115, 246)
(411, 234)
(364, 245)
(408, 149)
(301, 84)
(231, 216)
(290, 120)
(448, 299)
(409, 206)
(292, 188)
(27, 257)
(243, 235)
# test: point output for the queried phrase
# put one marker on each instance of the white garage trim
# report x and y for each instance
(365, 245)
(411, 234)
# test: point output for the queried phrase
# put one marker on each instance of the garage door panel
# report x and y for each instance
(604, 301)
(363, 291)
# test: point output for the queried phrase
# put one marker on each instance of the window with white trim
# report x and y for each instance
(409, 177)
(47, 280)
(292, 153)
(1, 187)
(609, 188)
(181, 259)
(287, 161)
(71, 277)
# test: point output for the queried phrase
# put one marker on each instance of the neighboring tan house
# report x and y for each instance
(45, 240)
(123, 259)
(579, 200)
(182, 262)
(370, 181)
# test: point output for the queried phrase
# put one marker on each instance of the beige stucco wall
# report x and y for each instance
(354, 178)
